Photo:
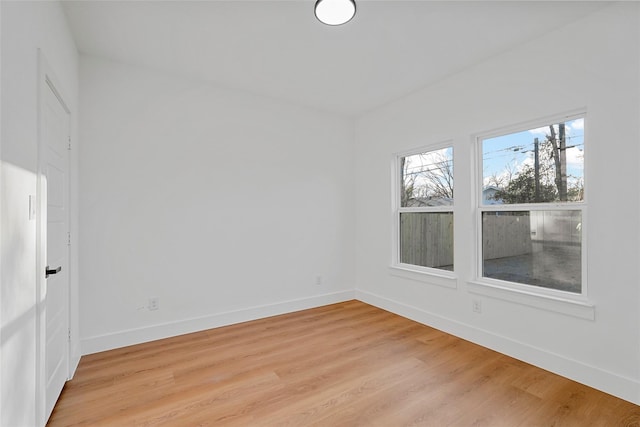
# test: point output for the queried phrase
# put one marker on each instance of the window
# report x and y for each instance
(423, 213)
(531, 207)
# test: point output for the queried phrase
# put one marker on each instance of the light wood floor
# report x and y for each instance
(345, 364)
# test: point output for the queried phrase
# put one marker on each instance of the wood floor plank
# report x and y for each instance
(347, 364)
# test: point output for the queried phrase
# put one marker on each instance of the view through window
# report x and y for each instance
(425, 214)
(531, 206)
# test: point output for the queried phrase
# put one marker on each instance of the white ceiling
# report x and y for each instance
(278, 48)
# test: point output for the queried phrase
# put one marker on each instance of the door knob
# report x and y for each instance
(49, 271)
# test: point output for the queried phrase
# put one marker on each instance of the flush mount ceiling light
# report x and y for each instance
(335, 12)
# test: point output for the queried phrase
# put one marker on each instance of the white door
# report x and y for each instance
(55, 188)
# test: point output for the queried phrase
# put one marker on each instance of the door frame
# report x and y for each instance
(46, 81)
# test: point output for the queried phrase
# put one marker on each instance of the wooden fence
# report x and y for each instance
(505, 235)
(426, 239)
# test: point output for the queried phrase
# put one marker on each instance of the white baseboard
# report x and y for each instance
(111, 341)
(624, 388)
(608, 382)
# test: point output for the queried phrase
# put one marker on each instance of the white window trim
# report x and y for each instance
(434, 276)
(507, 292)
(573, 304)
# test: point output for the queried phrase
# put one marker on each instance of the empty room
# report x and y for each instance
(332, 213)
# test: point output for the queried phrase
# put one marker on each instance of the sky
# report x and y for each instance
(516, 150)
(504, 153)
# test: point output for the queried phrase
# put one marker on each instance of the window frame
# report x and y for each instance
(576, 304)
(431, 275)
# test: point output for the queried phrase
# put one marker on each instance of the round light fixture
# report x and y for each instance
(335, 12)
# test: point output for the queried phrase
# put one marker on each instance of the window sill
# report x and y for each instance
(581, 309)
(442, 278)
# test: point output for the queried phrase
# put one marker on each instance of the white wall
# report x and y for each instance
(592, 63)
(225, 205)
(26, 26)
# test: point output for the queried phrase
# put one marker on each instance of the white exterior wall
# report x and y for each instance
(27, 26)
(224, 205)
(593, 63)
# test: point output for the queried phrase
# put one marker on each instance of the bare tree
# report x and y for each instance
(503, 178)
(407, 181)
(426, 176)
(438, 175)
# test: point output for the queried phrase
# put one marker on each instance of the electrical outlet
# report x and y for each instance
(318, 280)
(477, 306)
(154, 303)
